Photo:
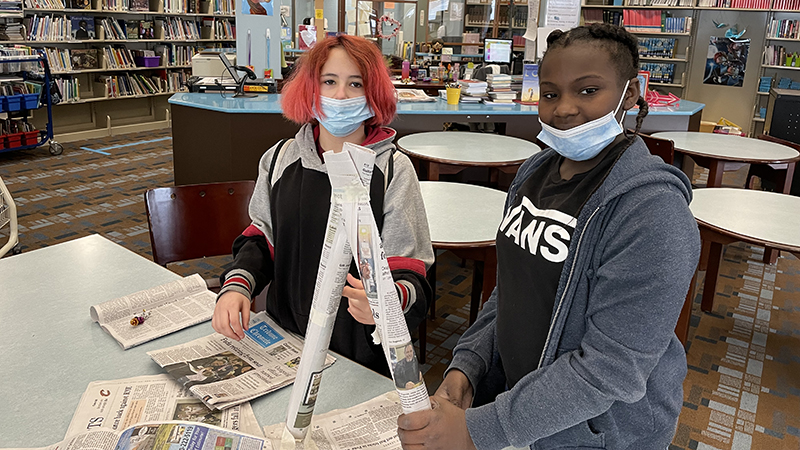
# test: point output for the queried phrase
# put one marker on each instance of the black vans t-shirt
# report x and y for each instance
(532, 244)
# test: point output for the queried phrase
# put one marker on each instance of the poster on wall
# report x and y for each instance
(257, 7)
(726, 61)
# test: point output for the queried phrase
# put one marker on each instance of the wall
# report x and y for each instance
(733, 103)
(258, 43)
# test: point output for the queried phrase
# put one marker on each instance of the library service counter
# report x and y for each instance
(218, 138)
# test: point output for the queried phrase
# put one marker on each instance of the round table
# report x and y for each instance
(757, 217)
(453, 151)
(464, 219)
(721, 152)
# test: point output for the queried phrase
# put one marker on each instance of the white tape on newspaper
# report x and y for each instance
(351, 224)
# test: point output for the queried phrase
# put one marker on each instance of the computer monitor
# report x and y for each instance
(497, 50)
(229, 68)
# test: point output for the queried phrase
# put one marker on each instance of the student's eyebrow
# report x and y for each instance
(585, 77)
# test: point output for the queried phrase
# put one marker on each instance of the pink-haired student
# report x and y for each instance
(340, 92)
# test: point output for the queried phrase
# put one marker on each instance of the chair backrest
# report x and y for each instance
(663, 148)
(196, 221)
(766, 137)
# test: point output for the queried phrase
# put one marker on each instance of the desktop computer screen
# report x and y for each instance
(497, 50)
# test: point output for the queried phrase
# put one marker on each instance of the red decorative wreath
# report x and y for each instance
(395, 27)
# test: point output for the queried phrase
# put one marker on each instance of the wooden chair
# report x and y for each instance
(663, 148)
(777, 177)
(196, 221)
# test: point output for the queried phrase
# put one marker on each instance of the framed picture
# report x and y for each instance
(644, 82)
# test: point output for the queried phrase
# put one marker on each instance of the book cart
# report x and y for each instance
(19, 106)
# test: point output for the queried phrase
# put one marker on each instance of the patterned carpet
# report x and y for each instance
(743, 388)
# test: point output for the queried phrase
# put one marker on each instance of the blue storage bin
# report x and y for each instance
(13, 102)
(31, 101)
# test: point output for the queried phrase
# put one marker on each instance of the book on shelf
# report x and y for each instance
(82, 27)
(84, 58)
(530, 84)
(80, 4)
(139, 5)
(131, 29)
(146, 29)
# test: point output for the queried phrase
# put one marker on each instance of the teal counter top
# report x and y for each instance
(270, 103)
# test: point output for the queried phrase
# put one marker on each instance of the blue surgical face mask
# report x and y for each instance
(586, 140)
(343, 117)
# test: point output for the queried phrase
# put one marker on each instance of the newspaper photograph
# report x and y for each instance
(149, 314)
(351, 226)
(370, 425)
(222, 372)
(162, 436)
(118, 404)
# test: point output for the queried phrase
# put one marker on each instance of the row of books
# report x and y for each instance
(46, 4)
(118, 29)
(69, 88)
(777, 55)
(224, 28)
(784, 28)
(224, 7)
(176, 55)
(660, 3)
(519, 20)
(128, 84)
(659, 72)
(10, 7)
(786, 5)
(14, 86)
(744, 4)
(657, 47)
(177, 28)
(602, 16)
(645, 21)
(12, 32)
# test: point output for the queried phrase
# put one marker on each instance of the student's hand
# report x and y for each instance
(226, 315)
(444, 427)
(456, 389)
(359, 305)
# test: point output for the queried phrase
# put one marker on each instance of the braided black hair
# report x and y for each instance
(622, 46)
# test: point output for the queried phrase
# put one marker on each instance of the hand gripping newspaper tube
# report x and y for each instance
(352, 225)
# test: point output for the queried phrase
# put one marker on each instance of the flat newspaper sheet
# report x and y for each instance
(371, 425)
(168, 308)
(118, 404)
(161, 436)
(222, 372)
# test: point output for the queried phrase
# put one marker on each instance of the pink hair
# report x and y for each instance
(300, 94)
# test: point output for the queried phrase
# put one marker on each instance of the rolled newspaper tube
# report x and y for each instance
(331, 277)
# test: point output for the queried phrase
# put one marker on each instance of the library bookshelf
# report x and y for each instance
(116, 62)
(773, 69)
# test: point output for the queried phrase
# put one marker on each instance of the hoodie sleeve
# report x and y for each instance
(648, 253)
(407, 241)
(253, 265)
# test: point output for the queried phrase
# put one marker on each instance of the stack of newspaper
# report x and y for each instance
(222, 372)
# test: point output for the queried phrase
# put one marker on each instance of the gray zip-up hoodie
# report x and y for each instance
(612, 369)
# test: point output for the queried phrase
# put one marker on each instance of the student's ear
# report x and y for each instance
(631, 94)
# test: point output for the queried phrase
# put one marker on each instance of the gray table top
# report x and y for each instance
(462, 213)
(478, 148)
(729, 148)
(50, 349)
(759, 215)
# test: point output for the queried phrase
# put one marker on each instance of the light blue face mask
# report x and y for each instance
(586, 140)
(343, 117)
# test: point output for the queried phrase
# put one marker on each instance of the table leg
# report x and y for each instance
(682, 327)
(433, 171)
(489, 273)
(771, 255)
(715, 171)
(787, 179)
(712, 271)
(432, 281)
(477, 287)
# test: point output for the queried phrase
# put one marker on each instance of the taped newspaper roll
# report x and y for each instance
(352, 226)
